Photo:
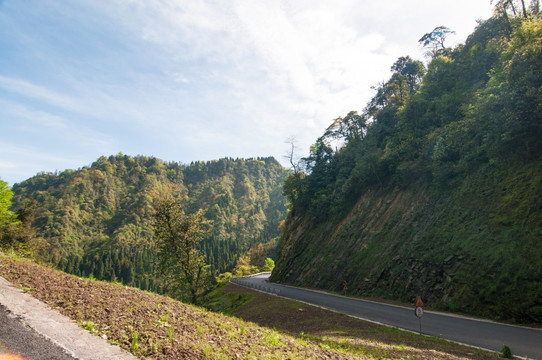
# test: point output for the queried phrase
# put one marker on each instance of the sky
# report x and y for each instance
(196, 80)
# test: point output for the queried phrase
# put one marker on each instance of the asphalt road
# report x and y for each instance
(523, 341)
(34, 331)
(18, 339)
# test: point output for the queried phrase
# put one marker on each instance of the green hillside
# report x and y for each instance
(435, 189)
(97, 221)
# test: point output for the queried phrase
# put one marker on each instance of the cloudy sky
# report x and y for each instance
(187, 80)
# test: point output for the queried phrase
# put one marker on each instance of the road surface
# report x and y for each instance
(523, 341)
(34, 331)
(18, 339)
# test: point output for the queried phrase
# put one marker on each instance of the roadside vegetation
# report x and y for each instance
(153, 326)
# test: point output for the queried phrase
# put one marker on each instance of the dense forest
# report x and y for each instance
(98, 221)
(434, 189)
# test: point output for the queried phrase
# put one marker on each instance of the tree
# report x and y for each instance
(183, 267)
(269, 264)
(294, 187)
(434, 40)
(350, 128)
(412, 70)
(16, 231)
(291, 155)
(501, 6)
(92, 212)
(535, 7)
(406, 77)
(8, 219)
(244, 267)
(6, 216)
(519, 89)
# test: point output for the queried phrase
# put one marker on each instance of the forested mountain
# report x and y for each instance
(97, 221)
(435, 189)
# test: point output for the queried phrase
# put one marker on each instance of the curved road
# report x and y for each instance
(523, 341)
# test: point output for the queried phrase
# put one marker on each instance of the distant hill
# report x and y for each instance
(435, 189)
(97, 221)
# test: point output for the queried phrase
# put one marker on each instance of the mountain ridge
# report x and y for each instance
(97, 220)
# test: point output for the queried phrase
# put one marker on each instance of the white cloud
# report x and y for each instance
(296, 65)
(190, 79)
(34, 91)
(49, 128)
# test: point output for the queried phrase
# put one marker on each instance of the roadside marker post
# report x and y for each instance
(418, 311)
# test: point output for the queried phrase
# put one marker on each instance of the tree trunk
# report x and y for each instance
(524, 9)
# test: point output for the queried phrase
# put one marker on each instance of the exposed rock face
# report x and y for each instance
(411, 275)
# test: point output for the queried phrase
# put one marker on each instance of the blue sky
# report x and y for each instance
(187, 80)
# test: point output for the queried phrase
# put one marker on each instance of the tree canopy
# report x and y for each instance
(6, 215)
(434, 40)
(181, 264)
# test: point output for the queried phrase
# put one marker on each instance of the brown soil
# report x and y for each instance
(156, 327)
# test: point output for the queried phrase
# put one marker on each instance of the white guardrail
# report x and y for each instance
(242, 281)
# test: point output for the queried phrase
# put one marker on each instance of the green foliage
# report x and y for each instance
(16, 231)
(506, 352)
(293, 186)
(447, 171)
(182, 266)
(269, 265)
(6, 216)
(98, 220)
(90, 326)
(225, 302)
(434, 40)
(476, 104)
(135, 345)
(256, 259)
(244, 267)
(223, 278)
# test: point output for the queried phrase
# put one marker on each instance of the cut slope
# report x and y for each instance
(459, 250)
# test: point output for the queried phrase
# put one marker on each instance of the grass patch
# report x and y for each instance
(90, 326)
(225, 302)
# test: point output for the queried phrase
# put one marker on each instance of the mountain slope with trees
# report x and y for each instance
(435, 188)
(98, 221)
